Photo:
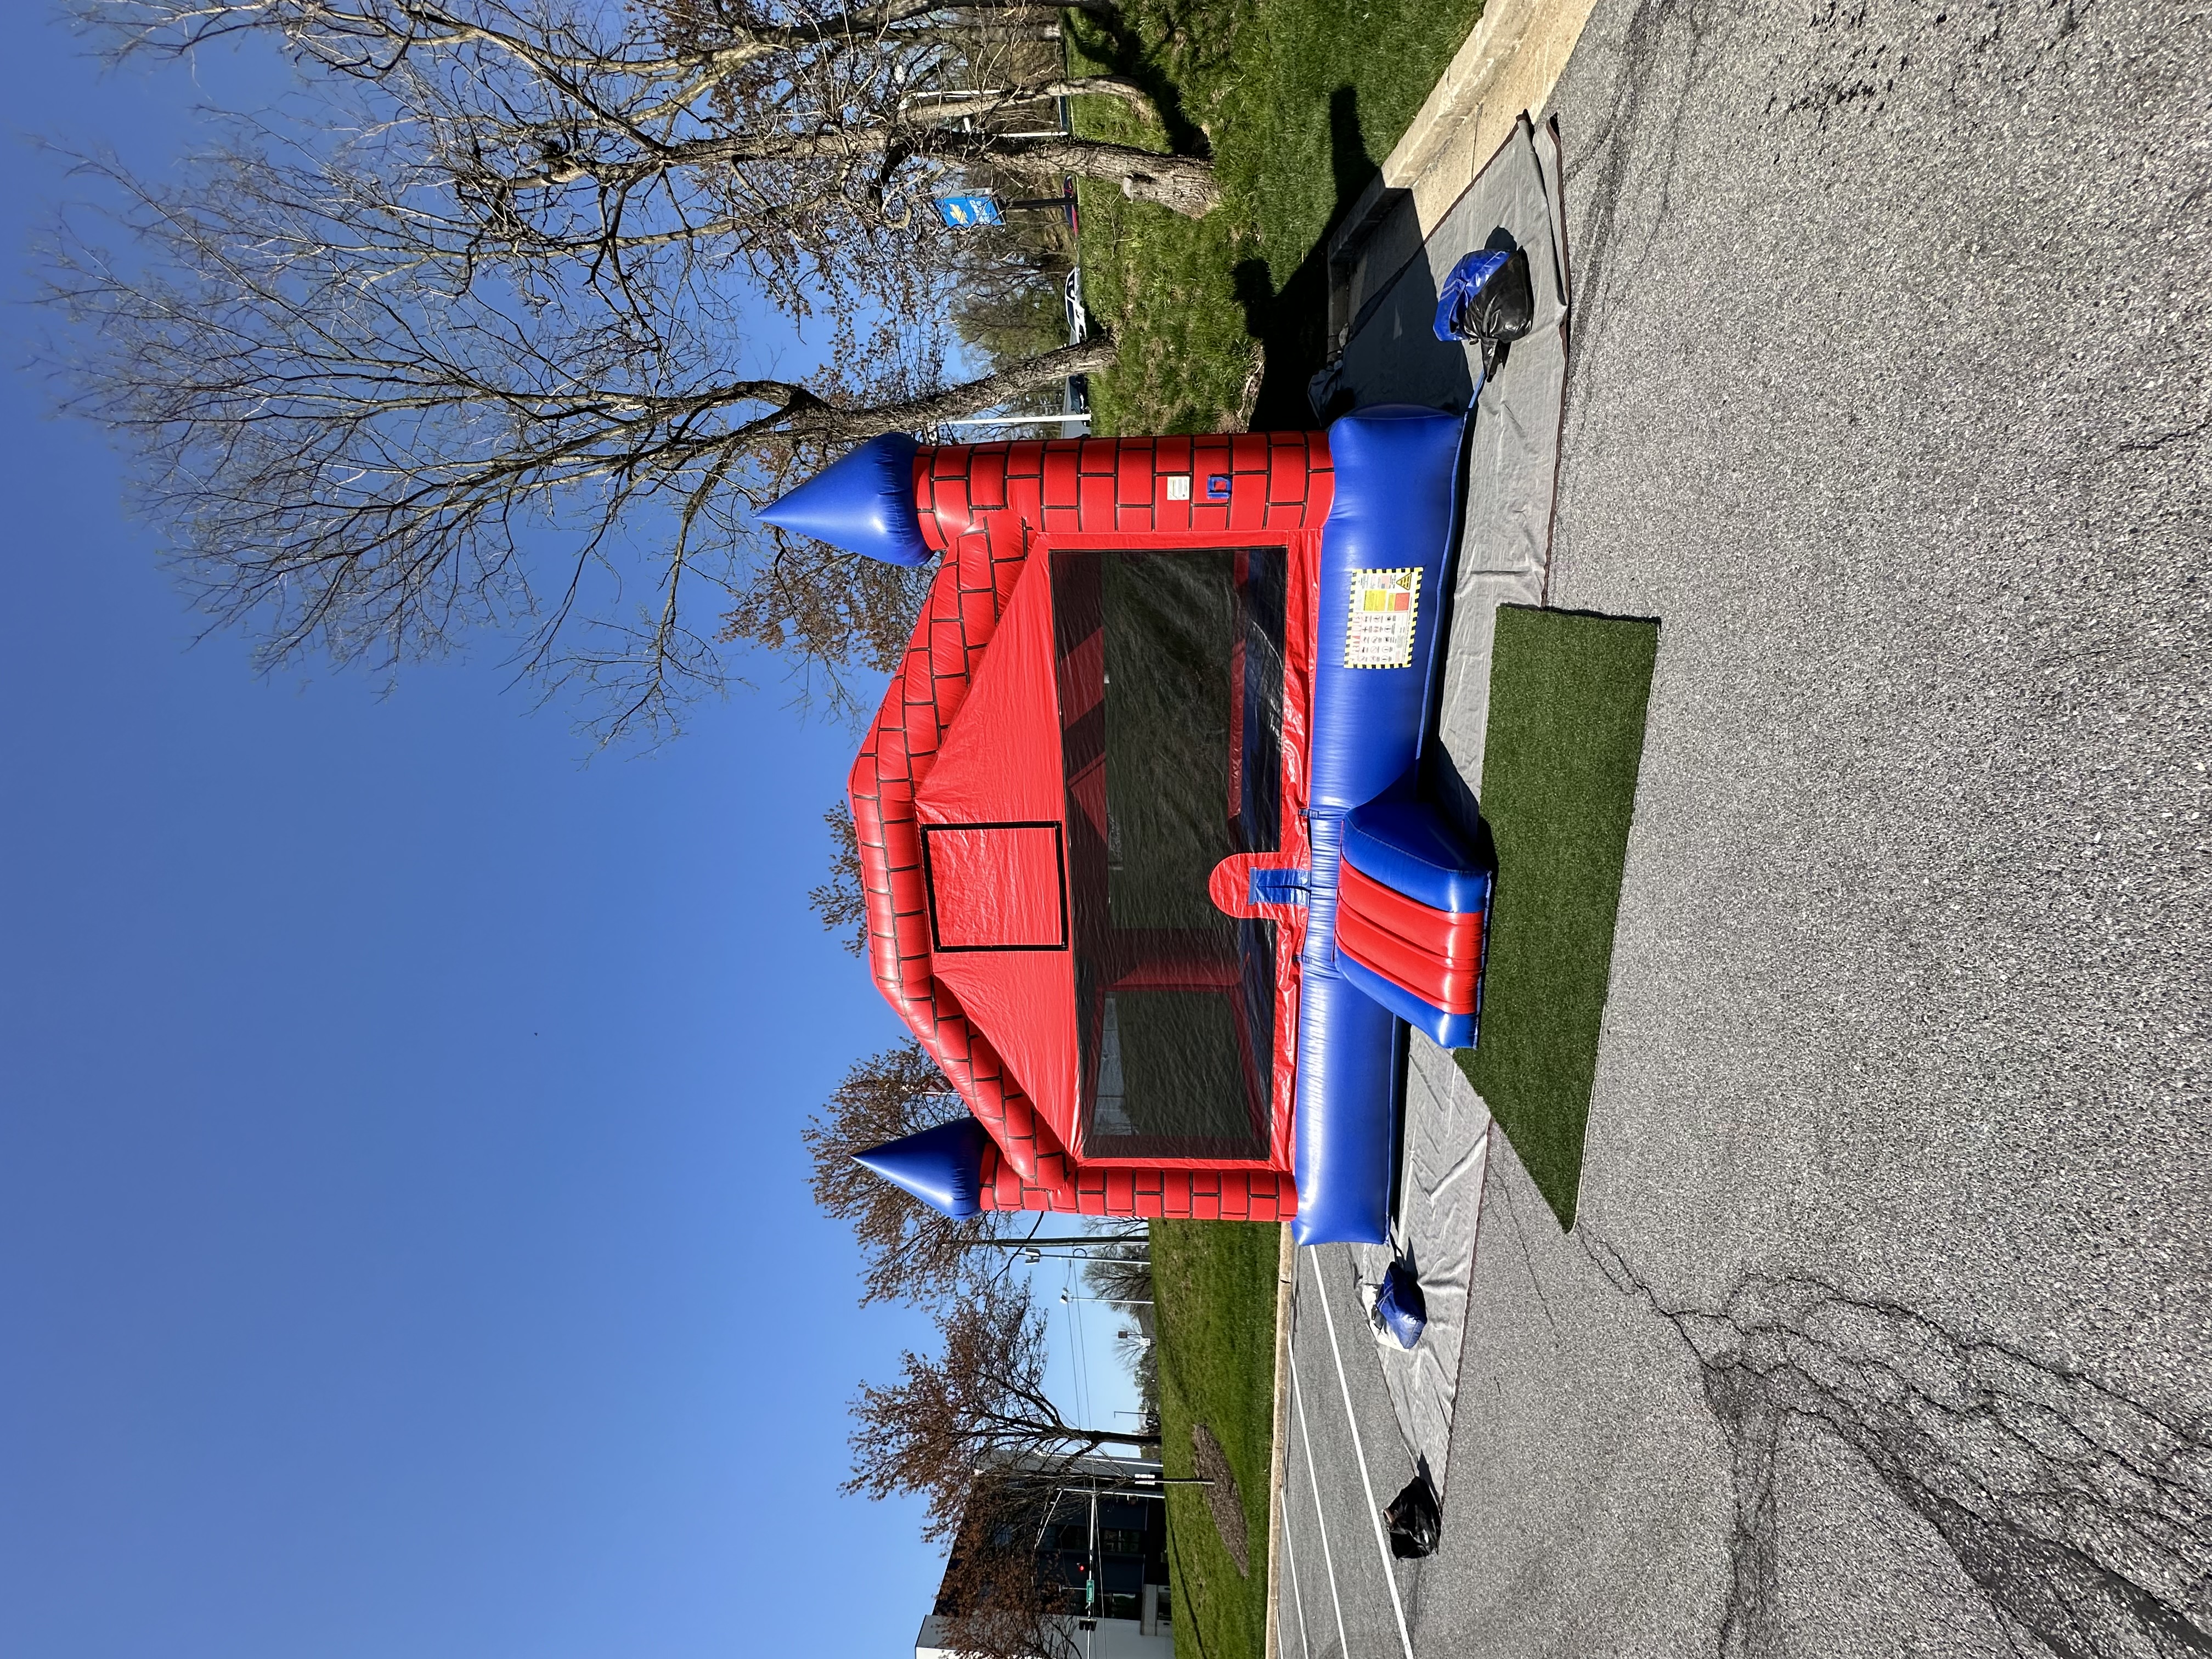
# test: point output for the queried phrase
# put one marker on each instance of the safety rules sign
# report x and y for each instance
(1385, 605)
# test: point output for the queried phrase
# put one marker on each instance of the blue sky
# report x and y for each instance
(404, 1248)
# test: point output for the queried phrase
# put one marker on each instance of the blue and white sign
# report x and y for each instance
(965, 212)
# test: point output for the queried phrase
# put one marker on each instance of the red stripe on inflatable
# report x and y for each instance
(1449, 988)
(1453, 938)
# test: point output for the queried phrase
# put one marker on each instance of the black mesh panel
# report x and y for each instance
(1170, 682)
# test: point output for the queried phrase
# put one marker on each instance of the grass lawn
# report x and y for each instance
(1567, 695)
(1297, 102)
(1215, 1289)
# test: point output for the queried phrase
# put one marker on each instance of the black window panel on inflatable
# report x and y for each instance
(1170, 673)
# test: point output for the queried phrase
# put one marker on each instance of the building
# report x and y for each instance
(1096, 1534)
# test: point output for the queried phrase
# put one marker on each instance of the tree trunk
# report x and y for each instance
(974, 397)
(1183, 184)
(945, 106)
(1103, 86)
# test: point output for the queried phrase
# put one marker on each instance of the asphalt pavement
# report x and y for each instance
(1886, 1326)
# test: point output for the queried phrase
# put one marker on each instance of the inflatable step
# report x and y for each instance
(1412, 906)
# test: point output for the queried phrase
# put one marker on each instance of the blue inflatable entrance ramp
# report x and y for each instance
(943, 1167)
(863, 502)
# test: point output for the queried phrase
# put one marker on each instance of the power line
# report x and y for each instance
(1077, 1352)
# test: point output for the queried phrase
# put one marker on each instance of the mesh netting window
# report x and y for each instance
(1171, 670)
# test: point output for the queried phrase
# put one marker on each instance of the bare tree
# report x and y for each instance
(475, 340)
(980, 1400)
(673, 96)
(912, 1252)
(842, 901)
(1120, 1274)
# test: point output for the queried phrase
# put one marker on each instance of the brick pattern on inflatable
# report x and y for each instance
(957, 619)
(979, 506)
(1152, 1194)
(1104, 486)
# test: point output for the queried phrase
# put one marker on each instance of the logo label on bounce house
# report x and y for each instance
(1385, 605)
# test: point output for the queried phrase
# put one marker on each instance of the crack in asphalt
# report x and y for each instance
(1847, 58)
(1645, 121)
(1528, 1262)
(2152, 446)
(2083, 1517)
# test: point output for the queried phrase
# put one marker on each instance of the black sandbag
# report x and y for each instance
(1488, 297)
(1412, 1519)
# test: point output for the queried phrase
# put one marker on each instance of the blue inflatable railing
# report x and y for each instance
(1397, 490)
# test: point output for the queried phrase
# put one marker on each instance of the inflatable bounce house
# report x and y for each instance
(1148, 870)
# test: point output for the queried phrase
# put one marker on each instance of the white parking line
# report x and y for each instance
(1374, 1513)
(1290, 1557)
(1327, 1558)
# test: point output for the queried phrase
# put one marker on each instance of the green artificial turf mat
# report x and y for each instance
(1567, 697)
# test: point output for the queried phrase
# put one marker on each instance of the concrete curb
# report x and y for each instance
(1509, 64)
(1285, 1277)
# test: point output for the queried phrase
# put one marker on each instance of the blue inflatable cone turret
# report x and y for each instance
(862, 502)
(943, 1167)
